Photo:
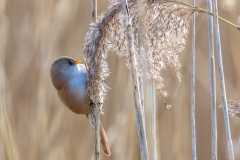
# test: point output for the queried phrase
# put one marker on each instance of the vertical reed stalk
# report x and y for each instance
(194, 152)
(212, 81)
(138, 106)
(96, 133)
(9, 144)
(94, 10)
(96, 109)
(142, 97)
(141, 51)
(222, 81)
(141, 91)
(154, 140)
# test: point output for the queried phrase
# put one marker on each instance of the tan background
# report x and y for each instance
(34, 124)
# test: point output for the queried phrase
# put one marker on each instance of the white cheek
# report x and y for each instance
(78, 67)
(75, 70)
(71, 71)
(81, 68)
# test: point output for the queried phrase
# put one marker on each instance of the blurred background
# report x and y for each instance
(35, 125)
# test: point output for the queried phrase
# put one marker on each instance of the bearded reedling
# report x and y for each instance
(69, 77)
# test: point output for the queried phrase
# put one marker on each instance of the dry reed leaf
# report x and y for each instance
(164, 28)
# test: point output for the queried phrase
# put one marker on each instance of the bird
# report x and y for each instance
(69, 77)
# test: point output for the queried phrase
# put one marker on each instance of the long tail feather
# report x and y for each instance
(103, 135)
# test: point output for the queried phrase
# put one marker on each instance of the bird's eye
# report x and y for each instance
(70, 63)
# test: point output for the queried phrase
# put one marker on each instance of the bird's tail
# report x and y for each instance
(103, 136)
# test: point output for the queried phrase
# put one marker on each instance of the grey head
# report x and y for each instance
(62, 69)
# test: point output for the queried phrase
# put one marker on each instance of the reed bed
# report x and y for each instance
(36, 125)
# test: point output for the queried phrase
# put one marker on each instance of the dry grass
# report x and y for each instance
(34, 124)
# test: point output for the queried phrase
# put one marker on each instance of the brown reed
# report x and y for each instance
(165, 26)
(67, 136)
(212, 81)
(222, 80)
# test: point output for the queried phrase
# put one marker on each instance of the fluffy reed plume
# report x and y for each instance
(234, 108)
(165, 26)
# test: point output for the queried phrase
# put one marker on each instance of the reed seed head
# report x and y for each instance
(234, 108)
(160, 28)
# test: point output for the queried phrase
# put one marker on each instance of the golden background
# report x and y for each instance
(35, 125)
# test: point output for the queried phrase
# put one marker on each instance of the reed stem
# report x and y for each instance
(154, 139)
(222, 81)
(194, 152)
(95, 107)
(138, 106)
(198, 9)
(212, 81)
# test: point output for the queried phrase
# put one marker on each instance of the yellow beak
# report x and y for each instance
(77, 62)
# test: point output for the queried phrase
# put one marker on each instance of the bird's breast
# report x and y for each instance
(74, 95)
